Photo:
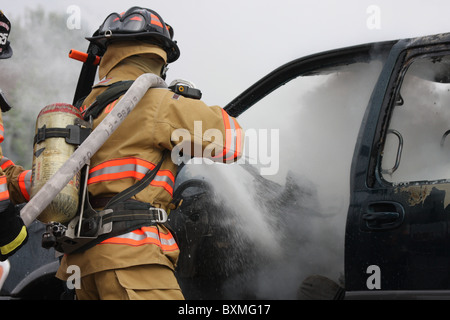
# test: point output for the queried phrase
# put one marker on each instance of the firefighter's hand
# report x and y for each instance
(13, 233)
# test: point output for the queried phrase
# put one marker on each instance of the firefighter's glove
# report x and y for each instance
(13, 233)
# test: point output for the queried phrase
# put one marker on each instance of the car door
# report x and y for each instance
(397, 242)
(315, 105)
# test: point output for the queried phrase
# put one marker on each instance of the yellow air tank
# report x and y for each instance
(50, 152)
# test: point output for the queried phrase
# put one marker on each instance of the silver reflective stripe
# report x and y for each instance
(146, 234)
(120, 168)
(164, 178)
(4, 161)
(27, 181)
(3, 184)
(136, 168)
(4, 202)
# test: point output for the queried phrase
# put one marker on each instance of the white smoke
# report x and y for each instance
(38, 74)
(318, 118)
(421, 120)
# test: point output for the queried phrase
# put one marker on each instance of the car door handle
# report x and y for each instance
(383, 215)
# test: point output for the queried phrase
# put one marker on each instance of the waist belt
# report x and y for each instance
(129, 210)
(119, 218)
(101, 202)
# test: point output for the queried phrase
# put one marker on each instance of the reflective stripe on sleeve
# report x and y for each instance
(233, 139)
(5, 163)
(2, 133)
(4, 193)
(24, 180)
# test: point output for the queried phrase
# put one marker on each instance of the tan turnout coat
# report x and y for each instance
(155, 125)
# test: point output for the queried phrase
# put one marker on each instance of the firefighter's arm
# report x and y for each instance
(19, 183)
(201, 130)
(13, 233)
(19, 179)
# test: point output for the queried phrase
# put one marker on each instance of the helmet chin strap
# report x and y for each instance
(164, 70)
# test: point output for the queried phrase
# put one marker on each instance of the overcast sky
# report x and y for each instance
(228, 45)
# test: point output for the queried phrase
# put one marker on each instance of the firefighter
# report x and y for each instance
(137, 259)
(15, 182)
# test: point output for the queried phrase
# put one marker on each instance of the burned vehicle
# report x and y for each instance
(358, 193)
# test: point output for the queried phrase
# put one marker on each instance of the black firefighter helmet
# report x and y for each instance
(137, 24)
(5, 29)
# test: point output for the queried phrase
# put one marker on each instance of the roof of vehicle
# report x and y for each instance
(321, 63)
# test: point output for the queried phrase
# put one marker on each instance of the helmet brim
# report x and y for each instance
(170, 46)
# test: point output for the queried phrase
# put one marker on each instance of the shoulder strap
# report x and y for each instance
(109, 95)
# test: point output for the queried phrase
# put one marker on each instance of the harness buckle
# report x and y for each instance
(40, 135)
(161, 214)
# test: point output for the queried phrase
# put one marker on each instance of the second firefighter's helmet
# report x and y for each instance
(137, 24)
(5, 28)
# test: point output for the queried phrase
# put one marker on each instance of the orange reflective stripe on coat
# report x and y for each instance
(164, 179)
(145, 235)
(2, 133)
(130, 168)
(4, 194)
(233, 139)
(24, 180)
(5, 163)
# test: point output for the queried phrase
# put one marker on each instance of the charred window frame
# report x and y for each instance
(395, 99)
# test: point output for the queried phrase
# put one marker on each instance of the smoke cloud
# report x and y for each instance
(292, 224)
(38, 74)
(421, 119)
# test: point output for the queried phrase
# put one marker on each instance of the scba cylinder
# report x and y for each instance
(50, 152)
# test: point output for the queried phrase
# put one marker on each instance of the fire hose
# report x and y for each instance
(90, 146)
